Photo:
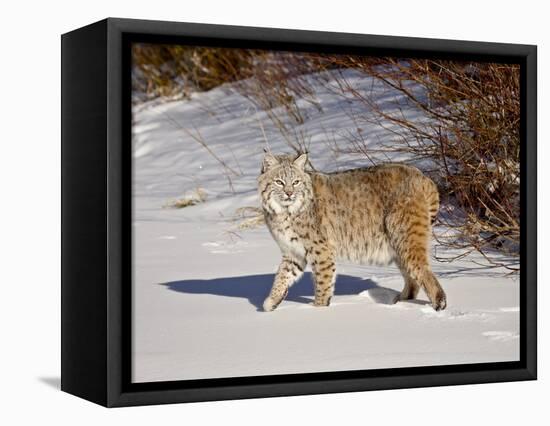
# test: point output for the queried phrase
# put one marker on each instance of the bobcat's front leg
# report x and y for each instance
(324, 274)
(290, 270)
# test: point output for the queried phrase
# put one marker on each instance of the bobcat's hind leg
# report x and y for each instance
(408, 228)
(410, 291)
(431, 286)
(290, 270)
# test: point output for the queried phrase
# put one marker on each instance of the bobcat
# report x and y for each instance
(372, 215)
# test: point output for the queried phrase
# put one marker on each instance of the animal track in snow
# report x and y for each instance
(454, 314)
(501, 336)
(510, 309)
(224, 247)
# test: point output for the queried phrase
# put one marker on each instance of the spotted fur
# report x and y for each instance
(375, 215)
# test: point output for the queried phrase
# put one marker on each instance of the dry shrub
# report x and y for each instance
(198, 196)
(249, 218)
(278, 83)
(277, 80)
(270, 80)
(468, 140)
(175, 70)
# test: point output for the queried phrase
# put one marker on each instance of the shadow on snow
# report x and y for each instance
(255, 288)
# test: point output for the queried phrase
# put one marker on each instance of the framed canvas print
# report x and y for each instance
(252, 212)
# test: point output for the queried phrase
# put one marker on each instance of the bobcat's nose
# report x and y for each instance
(289, 193)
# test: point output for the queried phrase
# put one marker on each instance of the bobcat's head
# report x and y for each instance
(283, 183)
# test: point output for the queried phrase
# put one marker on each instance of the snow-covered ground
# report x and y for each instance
(199, 282)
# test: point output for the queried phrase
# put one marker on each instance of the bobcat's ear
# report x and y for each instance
(301, 161)
(269, 161)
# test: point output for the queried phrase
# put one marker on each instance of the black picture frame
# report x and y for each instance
(96, 212)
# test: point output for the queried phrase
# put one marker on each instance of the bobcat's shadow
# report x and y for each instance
(255, 288)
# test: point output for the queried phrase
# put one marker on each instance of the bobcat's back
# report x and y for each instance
(353, 206)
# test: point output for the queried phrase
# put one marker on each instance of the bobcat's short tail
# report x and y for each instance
(432, 196)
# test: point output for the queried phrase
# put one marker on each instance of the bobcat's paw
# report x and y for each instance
(322, 303)
(270, 304)
(440, 302)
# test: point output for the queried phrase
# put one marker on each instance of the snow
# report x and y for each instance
(199, 282)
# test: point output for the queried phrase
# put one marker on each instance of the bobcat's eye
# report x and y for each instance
(296, 182)
(279, 182)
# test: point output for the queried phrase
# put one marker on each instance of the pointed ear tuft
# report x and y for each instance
(301, 161)
(269, 161)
